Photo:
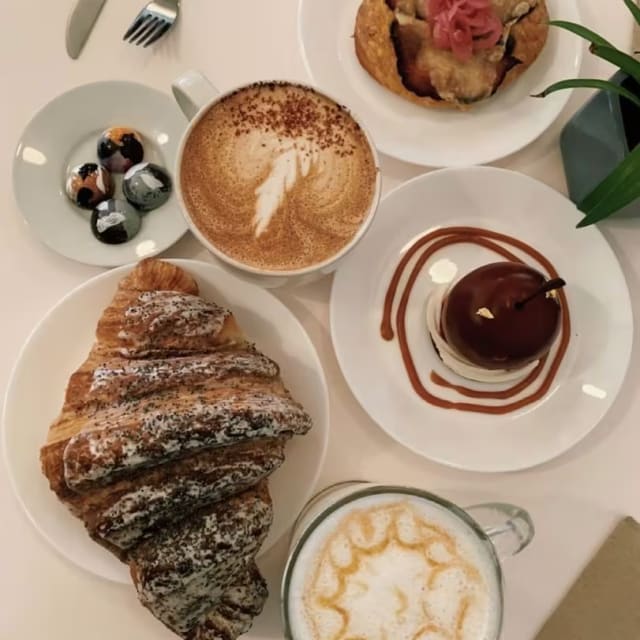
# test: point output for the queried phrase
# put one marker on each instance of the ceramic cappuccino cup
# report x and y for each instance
(278, 180)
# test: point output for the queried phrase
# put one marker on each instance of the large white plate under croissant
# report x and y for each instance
(173, 410)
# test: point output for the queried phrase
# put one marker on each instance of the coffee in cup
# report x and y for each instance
(377, 562)
(278, 177)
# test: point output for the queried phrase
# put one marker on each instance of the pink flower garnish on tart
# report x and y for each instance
(464, 26)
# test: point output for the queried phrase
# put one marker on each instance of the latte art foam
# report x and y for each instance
(393, 567)
(278, 177)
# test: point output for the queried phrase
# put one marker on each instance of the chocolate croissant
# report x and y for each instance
(395, 43)
(167, 435)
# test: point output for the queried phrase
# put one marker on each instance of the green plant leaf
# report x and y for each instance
(623, 60)
(587, 83)
(623, 178)
(581, 31)
(616, 191)
(634, 8)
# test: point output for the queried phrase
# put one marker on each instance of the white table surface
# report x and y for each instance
(574, 500)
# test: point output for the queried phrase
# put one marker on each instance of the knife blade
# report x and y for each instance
(81, 20)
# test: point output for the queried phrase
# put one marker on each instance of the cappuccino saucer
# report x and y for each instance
(599, 349)
(64, 133)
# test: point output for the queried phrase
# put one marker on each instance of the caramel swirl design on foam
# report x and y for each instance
(278, 177)
(534, 384)
(352, 571)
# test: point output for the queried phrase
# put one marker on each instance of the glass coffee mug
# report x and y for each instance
(376, 561)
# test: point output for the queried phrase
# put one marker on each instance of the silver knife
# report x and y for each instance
(80, 23)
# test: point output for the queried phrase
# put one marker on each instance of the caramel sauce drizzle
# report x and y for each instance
(432, 243)
(362, 522)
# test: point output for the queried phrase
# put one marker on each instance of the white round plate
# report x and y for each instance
(61, 342)
(602, 325)
(432, 137)
(64, 134)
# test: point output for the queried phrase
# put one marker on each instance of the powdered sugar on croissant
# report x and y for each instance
(167, 435)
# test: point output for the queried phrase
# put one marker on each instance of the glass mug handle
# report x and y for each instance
(193, 91)
(509, 528)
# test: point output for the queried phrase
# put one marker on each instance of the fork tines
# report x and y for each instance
(147, 28)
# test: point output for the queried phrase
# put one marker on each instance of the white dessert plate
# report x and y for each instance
(63, 134)
(61, 342)
(433, 137)
(597, 359)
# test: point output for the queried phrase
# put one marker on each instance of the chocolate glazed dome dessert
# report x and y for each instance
(503, 315)
(504, 324)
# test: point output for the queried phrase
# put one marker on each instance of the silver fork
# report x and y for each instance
(153, 22)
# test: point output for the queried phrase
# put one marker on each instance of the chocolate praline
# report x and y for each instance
(120, 148)
(482, 320)
(89, 184)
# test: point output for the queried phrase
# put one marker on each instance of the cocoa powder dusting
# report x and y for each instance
(298, 115)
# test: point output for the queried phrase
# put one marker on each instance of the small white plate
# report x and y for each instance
(64, 134)
(602, 325)
(432, 137)
(61, 342)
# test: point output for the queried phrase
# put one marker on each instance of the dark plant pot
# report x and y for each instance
(598, 138)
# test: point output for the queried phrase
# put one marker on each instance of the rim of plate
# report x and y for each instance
(182, 262)
(506, 468)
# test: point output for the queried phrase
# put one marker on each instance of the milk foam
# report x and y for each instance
(394, 567)
(291, 162)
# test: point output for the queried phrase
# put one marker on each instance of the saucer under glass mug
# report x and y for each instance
(498, 530)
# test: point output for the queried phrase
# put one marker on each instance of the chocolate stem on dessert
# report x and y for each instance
(547, 287)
